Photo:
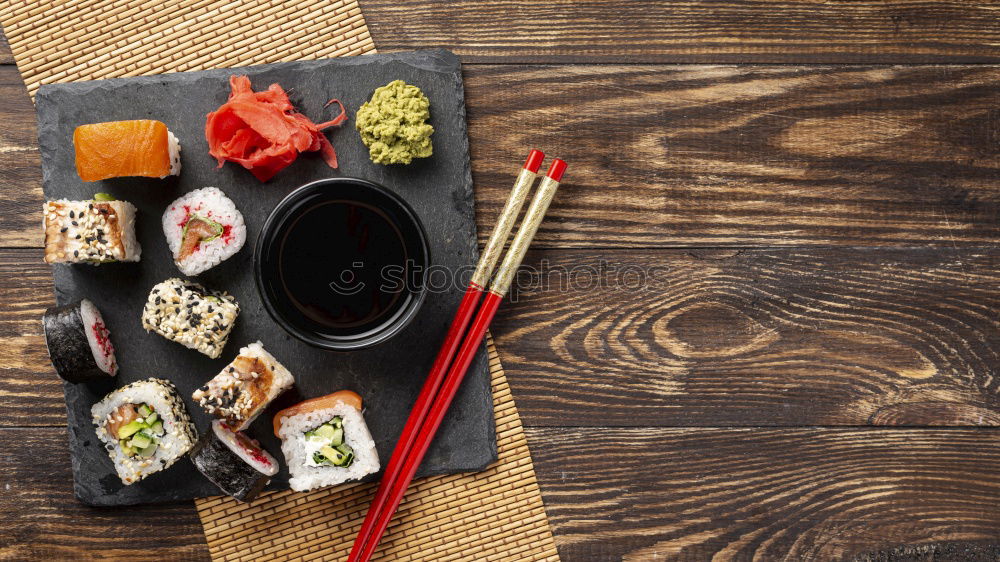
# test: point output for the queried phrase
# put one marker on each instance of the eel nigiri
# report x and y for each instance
(142, 147)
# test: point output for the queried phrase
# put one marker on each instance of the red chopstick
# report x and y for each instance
(363, 549)
(475, 289)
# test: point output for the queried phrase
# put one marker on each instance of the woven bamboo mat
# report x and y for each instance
(492, 515)
(69, 40)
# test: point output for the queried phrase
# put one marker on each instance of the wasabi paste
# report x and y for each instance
(393, 124)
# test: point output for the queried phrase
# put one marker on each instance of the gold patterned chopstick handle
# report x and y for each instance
(529, 226)
(505, 222)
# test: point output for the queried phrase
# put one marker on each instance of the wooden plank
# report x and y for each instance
(696, 31)
(831, 336)
(747, 156)
(709, 156)
(770, 494)
(28, 386)
(713, 31)
(41, 520)
(801, 493)
(6, 57)
(20, 164)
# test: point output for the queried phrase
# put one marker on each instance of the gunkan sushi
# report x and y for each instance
(203, 228)
(325, 441)
(235, 463)
(245, 387)
(79, 343)
(144, 427)
(191, 315)
(141, 147)
(98, 231)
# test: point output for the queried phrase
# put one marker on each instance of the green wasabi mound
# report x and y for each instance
(393, 124)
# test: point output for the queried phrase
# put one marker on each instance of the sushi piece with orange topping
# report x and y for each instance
(325, 441)
(116, 149)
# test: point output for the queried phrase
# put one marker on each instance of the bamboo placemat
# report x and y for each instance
(70, 40)
(493, 515)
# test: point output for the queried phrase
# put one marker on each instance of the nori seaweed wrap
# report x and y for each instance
(79, 343)
(233, 462)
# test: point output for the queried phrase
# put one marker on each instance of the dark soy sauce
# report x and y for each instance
(342, 265)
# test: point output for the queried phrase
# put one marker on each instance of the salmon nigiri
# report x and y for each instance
(142, 147)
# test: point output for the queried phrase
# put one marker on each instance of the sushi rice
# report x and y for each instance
(174, 148)
(296, 449)
(245, 387)
(91, 232)
(210, 207)
(191, 315)
(98, 337)
(178, 437)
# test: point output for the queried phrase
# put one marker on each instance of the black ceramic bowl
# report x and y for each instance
(340, 264)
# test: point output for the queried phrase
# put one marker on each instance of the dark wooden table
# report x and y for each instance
(808, 193)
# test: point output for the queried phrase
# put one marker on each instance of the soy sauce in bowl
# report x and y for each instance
(340, 263)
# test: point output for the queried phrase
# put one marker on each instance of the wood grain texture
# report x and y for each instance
(778, 494)
(831, 336)
(676, 494)
(710, 156)
(813, 157)
(31, 394)
(715, 31)
(41, 520)
(747, 156)
(20, 164)
(6, 57)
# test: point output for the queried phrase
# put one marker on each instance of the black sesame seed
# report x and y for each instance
(75, 224)
(71, 215)
(64, 229)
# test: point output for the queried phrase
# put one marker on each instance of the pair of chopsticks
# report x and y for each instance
(442, 382)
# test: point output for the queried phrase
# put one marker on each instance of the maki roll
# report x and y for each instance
(203, 228)
(98, 231)
(325, 441)
(191, 315)
(144, 428)
(233, 462)
(245, 387)
(79, 343)
(116, 149)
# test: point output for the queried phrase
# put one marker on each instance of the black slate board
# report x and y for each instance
(388, 376)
